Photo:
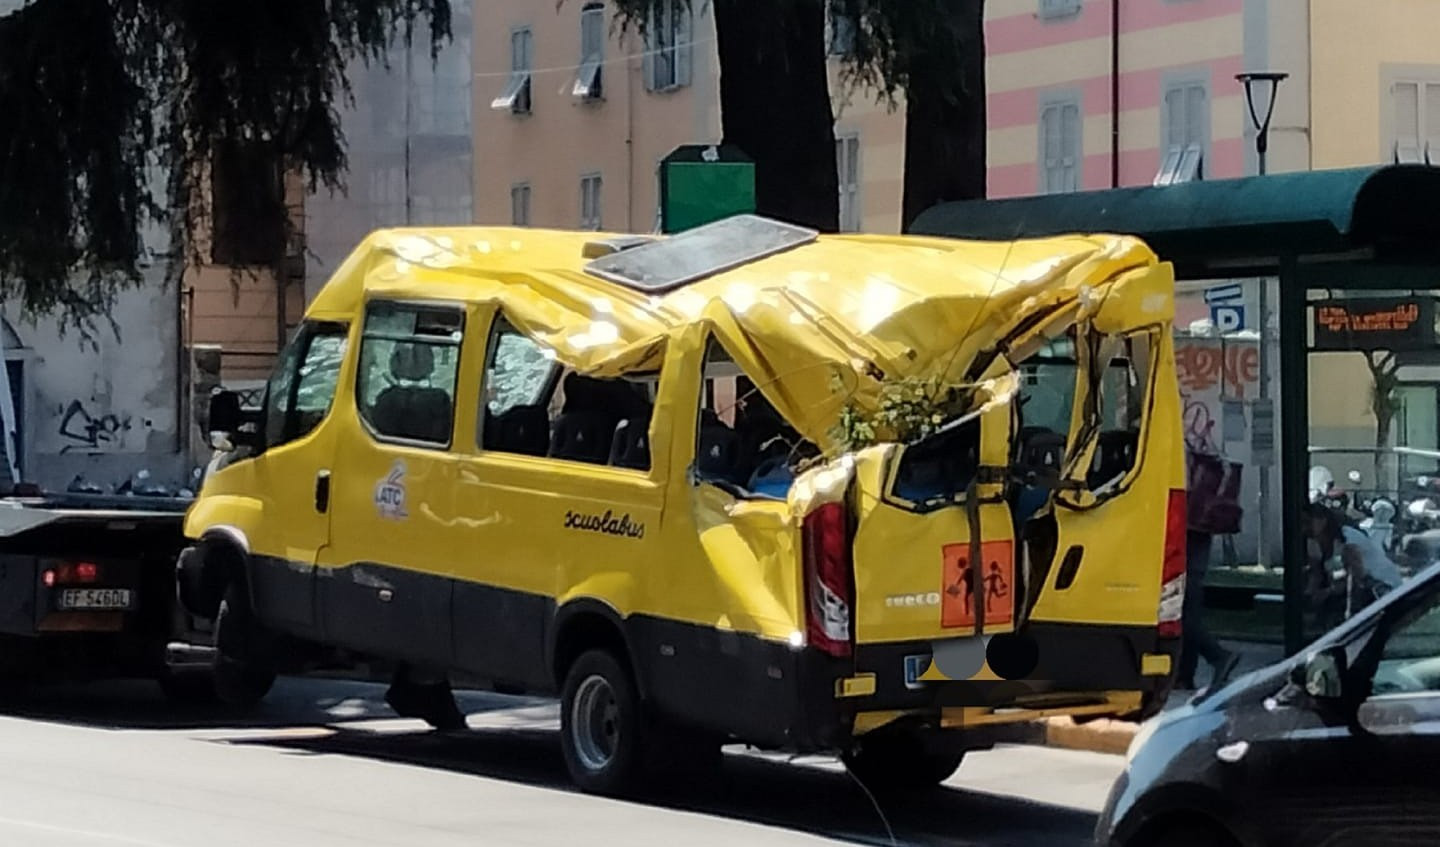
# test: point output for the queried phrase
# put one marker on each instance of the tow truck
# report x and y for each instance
(87, 590)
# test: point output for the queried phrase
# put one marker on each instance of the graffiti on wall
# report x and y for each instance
(82, 430)
(1209, 372)
(1203, 364)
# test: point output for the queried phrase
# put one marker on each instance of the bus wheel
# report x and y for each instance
(241, 677)
(900, 762)
(601, 727)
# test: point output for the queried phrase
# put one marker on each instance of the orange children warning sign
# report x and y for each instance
(997, 578)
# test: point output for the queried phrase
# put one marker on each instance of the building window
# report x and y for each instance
(843, 27)
(589, 78)
(1060, 146)
(667, 47)
(590, 202)
(409, 363)
(1417, 122)
(516, 96)
(247, 197)
(1186, 133)
(1058, 8)
(847, 163)
(520, 204)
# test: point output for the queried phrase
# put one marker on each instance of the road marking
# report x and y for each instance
(87, 833)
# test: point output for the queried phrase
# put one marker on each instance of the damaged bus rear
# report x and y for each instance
(971, 510)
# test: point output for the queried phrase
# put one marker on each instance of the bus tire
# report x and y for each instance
(241, 677)
(602, 730)
(892, 762)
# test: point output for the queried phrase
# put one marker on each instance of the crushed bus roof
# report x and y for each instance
(796, 313)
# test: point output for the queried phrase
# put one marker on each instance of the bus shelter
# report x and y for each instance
(1306, 337)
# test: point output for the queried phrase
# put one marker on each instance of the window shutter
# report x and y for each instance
(684, 39)
(1070, 146)
(1407, 123)
(1196, 115)
(1174, 119)
(648, 57)
(1432, 123)
(1053, 140)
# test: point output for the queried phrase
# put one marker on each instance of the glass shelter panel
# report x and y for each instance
(1374, 446)
(1228, 370)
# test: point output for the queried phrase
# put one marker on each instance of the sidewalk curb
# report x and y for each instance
(1097, 736)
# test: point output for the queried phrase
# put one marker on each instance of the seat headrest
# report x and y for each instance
(412, 362)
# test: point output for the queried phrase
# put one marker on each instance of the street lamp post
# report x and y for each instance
(1272, 79)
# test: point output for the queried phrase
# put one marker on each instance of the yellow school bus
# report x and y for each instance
(859, 494)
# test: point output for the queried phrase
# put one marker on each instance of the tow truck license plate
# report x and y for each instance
(94, 598)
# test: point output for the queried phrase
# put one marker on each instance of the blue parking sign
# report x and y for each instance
(1228, 318)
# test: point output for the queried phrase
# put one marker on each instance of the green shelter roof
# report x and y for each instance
(1389, 210)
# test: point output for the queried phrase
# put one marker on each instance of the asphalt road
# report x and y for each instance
(325, 764)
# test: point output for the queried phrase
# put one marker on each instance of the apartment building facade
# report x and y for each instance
(573, 115)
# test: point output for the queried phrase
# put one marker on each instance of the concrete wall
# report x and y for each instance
(409, 140)
(107, 411)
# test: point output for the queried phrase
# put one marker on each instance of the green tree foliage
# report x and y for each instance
(101, 97)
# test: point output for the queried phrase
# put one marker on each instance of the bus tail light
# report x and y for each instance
(828, 579)
(1172, 570)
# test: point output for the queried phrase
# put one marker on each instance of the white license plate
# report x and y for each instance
(94, 598)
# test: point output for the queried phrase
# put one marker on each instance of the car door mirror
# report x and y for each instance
(1325, 674)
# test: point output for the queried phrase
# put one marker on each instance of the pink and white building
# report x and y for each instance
(1091, 94)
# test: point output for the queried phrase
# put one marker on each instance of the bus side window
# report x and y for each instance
(534, 407)
(1124, 397)
(409, 364)
(301, 391)
(741, 440)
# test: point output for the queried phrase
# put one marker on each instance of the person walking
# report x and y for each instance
(1196, 640)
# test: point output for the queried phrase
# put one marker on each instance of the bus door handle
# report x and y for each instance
(322, 491)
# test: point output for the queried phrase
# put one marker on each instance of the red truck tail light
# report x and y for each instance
(71, 573)
(1172, 570)
(828, 579)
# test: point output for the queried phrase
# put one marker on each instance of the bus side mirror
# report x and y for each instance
(230, 427)
(225, 414)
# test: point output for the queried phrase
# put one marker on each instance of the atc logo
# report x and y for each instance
(390, 494)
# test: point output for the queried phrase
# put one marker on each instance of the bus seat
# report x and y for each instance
(630, 447)
(522, 429)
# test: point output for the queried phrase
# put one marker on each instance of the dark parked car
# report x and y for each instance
(1337, 746)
